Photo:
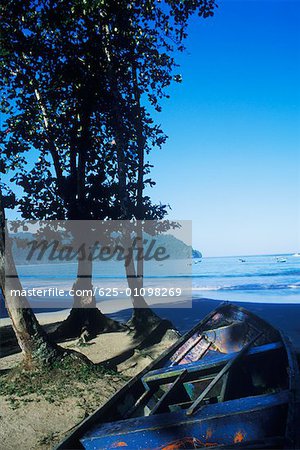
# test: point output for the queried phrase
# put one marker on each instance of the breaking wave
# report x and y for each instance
(248, 287)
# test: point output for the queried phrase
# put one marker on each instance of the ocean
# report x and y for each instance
(258, 279)
(263, 279)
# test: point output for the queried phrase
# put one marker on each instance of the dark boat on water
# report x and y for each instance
(230, 382)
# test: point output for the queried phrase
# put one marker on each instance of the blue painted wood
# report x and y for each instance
(223, 423)
(216, 360)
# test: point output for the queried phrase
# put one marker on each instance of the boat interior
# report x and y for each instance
(207, 368)
(231, 365)
(262, 371)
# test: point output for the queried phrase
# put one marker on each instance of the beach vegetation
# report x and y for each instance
(56, 382)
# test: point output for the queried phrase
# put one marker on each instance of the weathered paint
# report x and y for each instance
(239, 436)
(233, 327)
(217, 360)
(254, 418)
(188, 443)
(209, 433)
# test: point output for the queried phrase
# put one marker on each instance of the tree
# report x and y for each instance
(54, 106)
(38, 351)
(78, 79)
(140, 42)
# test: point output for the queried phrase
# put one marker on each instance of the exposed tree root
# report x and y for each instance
(85, 323)
(144, 321)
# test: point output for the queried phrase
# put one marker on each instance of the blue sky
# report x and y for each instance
(232, 161)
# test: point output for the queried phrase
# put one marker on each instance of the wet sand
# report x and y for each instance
(285, 317)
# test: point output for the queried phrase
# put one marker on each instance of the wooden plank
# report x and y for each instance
(187, 350)
(144, 397)
(256, 417)
(273, 442)
(217, 378)
(293, 428)
(164, 373)
(261, 404)
(167, 394)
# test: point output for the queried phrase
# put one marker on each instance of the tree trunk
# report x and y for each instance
(143, 320)
(85, 319)
(36, 348)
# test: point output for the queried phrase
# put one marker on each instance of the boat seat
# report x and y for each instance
(167, 374)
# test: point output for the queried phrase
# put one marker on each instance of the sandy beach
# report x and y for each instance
(41, 416)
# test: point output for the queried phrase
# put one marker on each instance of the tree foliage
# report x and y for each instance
(78, 78)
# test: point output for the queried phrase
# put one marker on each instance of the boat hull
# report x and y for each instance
(215, 425)
(235, 416)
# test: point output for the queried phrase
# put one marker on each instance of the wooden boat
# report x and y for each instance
(230, 382)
